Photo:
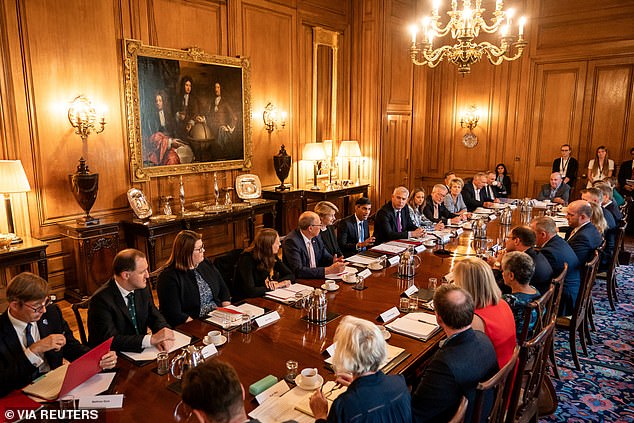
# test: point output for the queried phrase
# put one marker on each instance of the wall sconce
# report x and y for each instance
(272, 118)
(12, 180)
(469, 120)
(350, 150)
(314, 152)
(85, 185)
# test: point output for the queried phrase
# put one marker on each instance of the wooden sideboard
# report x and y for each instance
(144, 234)
(291, 203)
(22, 256)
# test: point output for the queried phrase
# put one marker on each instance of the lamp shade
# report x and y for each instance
(314, 151)
(12, 177)
(349, 149)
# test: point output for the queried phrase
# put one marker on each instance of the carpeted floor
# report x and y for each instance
(603, 391)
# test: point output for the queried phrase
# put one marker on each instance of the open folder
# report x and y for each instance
(60, 381)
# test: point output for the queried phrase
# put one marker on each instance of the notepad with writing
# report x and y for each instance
(416, 325)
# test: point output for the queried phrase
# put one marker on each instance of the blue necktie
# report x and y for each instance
(132, 310)
(29, 337)
(361, 232)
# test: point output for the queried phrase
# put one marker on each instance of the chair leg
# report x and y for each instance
(553, 362)
(590, 316)
(610, 283)
(582, 338)
(572, 339)
(587, 336)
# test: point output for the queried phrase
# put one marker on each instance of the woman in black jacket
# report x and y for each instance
(503, 182)
(190, 286)
(259, 268)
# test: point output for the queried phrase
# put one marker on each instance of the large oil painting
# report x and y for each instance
(187, 111)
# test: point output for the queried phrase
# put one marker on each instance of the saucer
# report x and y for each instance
(352, 281)
(429, 243)
(371, 266)
(324, 286)
(299, 381)
(386, 335)
(223, 339)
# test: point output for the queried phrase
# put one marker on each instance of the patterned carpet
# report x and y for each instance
(604, 390)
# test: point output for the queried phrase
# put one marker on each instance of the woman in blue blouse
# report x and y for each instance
(517, 271)
(371, 396)
(189, 285)
(453, 200)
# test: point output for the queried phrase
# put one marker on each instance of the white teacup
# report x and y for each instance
(310, 376)
(375, 265)
(330, 285)
(350, 277)
(214, 336)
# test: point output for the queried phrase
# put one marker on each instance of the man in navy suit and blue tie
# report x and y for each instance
(354, 231)
(393, 220)
(305, 253)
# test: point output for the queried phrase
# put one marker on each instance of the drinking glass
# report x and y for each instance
(291, 370)
(403, 305)
(246, 323)
(432, 284)
(67, 402)
(162, 363)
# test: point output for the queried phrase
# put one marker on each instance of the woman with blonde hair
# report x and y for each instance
(326, 211)
(260, 269)
(416, 205)
(371, 396)
(597, 218)
(190, 286)
(453, 200)
(493, 316)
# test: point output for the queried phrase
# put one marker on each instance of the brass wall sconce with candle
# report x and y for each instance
(469, 120)
(84, 118)
(273, 119)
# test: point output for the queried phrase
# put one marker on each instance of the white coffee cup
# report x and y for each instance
(330, 285)
(349, 277)
(375, 265)
(309, 376)
(214, 336)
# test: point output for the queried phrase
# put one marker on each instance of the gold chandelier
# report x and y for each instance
(465, 26)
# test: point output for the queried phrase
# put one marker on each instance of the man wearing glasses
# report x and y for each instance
(305, 253)
(566, 166)
(34, 337)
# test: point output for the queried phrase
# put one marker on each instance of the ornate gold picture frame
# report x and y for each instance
(187, 111)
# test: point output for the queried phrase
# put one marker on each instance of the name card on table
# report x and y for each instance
(458, 232)
(331, 349)
(411, 290)
(102, 401)
(392, 313)
(393, 260)
(366, 273)
(209, 350)
(419, 248)
(448, 277)
(267, 319)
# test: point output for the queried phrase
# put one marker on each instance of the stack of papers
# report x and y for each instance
(483, 210)
(231, 315)
(390, 247)
(180, 340)
(287, 295)
(417, 325)
(361, 259)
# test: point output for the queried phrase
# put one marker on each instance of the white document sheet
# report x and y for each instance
(180, 340)
(94, 386)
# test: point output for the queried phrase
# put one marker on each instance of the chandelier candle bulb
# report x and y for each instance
(522, 23)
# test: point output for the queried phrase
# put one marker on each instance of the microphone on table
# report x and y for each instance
(442, 252)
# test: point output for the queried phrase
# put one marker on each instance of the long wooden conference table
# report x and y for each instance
(265, 350)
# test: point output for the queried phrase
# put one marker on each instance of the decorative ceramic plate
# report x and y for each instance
(139, 203)
(470, 140)
(248, 186)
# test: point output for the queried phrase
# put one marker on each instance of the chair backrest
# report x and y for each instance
(460, 412)
(558, 282)
(585, 290)
(82, 305)
(618, 246)
(543, 309)
(226, 265)
(531, 367)
(498, 389)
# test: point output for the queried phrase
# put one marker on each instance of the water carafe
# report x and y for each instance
(317, 306)
(190, 357)
(408, 264)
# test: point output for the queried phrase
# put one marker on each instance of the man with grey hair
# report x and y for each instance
(474, 192)
(556, 191)
(585, 237)
(463, 360)
(435, 209)
(393, 221)
(558, 252)
(305, 253)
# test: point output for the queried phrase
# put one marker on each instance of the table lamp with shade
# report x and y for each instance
(314, 151)
(350, 150)
(12, 180)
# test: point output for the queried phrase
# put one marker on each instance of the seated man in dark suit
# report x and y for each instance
(435, 209)
(625, 174)
(584, 238)
(556, 191)
(34, 337)
(353, 231)
(522, 239)
(464, 359)
(474, 192)
(558, 252)
(608, 203)
(392, 221)
(305, 253)
(123, 307)
(595, 195)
